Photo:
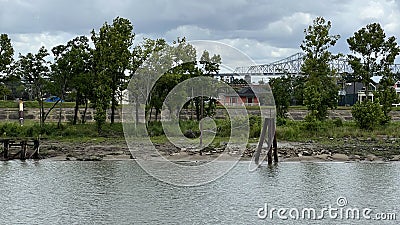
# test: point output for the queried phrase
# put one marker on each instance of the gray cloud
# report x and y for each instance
(265, 30)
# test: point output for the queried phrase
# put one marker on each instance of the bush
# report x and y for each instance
(289, 132)
(11, 130)
(255, 126)
(186, 125)
(255, 130)
(155, 128)
(338, 122)
(281, 121)
(223, 128)
(367, 114)
(311, 123)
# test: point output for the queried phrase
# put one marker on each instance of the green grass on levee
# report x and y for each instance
(287, 130)
(66, 132)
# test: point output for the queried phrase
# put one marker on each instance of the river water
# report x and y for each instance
(120, 192)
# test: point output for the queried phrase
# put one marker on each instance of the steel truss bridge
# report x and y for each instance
(292, 65)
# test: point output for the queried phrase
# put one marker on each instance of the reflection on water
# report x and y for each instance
(120, 192)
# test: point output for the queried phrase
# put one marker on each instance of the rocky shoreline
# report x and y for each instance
(332, 150)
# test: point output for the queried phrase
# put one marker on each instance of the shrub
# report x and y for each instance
(367, 114)
(223, 128)
(255, 126)
(338, 122)
(311, 123)
(281, 121)
(186, 125)
(155, 128)
(290, 133)
(10, 130)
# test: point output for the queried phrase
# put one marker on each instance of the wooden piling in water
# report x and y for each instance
(23, 150)
(269, 156)
(275, 145)
(269, 125)
(35, 154)
(6, 144)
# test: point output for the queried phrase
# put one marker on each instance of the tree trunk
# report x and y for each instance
(197, 102)
(60, 113)
(48, 112)
(211, 108)
(191, 109)
(137, 109)
(151, 112)
(84, 112)
(76, 110)
(201, 107)
(156, 114)
(113, 106)
(41, 113)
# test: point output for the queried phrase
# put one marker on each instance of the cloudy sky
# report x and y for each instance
(266, 30)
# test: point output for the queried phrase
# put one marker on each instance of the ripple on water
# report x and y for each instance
(120, 192)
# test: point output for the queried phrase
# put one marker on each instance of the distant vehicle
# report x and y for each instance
(53, 99)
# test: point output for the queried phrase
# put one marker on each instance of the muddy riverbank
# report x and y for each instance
(328, 150)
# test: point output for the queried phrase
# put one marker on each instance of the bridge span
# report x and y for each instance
(292, 65)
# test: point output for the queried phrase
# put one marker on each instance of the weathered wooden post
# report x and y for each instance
(266, 102)
(269, 155)
(35, 154)
(23, 150)
(269, 125)
(6, 144)
(275, 145)
(260, 143)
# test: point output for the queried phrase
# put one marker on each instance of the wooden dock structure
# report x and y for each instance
(14, 148)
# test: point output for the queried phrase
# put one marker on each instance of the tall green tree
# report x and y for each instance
(386, 95)
(112, 56)
(6, 59)
(4, 91)
(372, 55)
(143, 56)
(102, 97)
(179, 62)
(71, 71)
(144, 51)
(282, 90)
(60, 74)
(298, 84)
(14, 85)
(6, 53)
(321, 91)
(210, 67)
(34, 71)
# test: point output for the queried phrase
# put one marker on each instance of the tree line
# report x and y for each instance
(371, 54)
(95, 76)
